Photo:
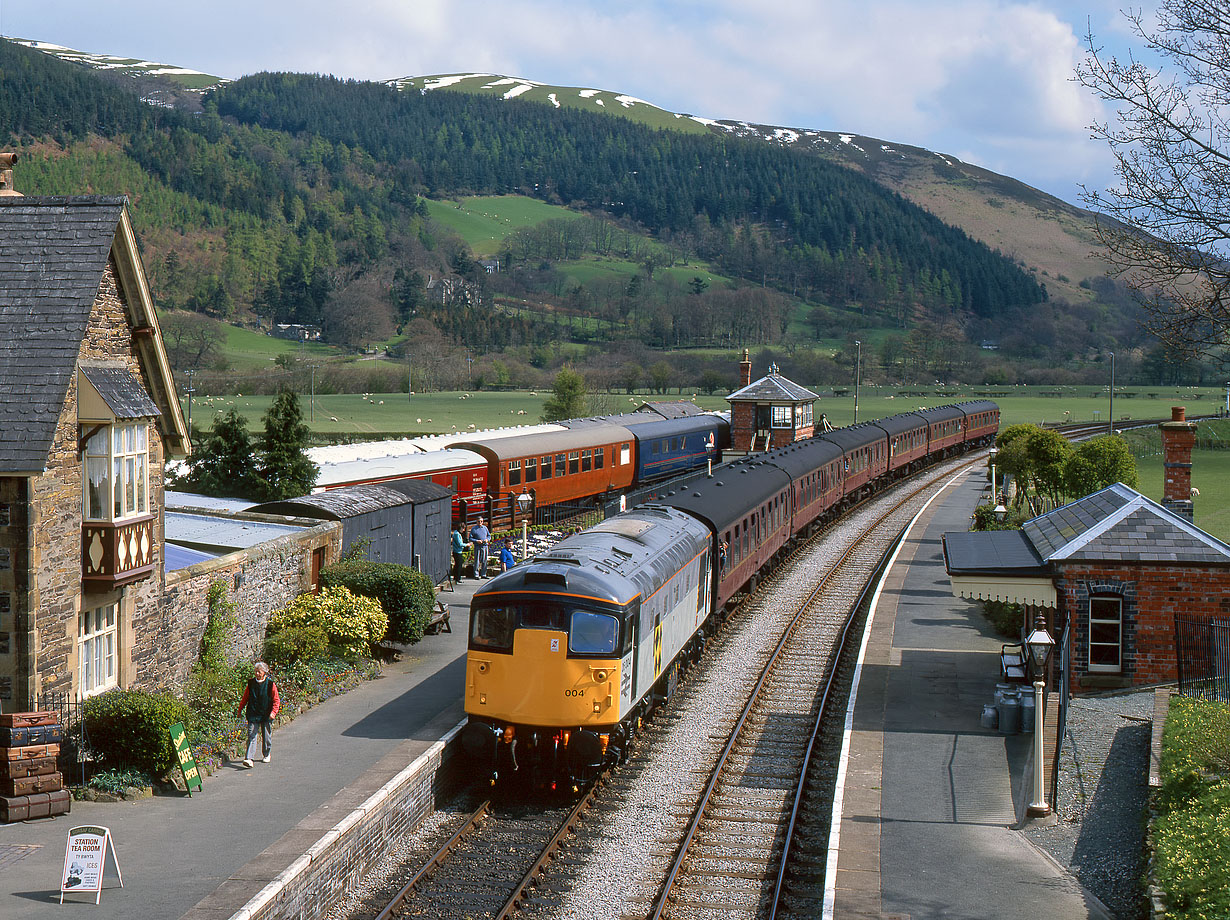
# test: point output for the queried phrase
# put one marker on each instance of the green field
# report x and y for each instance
(248, 351)
(484, 221)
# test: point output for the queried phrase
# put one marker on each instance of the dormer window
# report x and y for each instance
(117, 472)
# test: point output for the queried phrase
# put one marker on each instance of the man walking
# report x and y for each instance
(480, 536)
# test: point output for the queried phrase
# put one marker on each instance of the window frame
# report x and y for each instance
(94, 649)
(121, 452)
(1117, 622)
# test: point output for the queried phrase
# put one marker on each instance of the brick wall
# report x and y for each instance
(1152, 595)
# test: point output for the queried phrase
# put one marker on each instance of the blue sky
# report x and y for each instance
(988, 82)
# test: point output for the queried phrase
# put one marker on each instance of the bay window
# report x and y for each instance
(117, 472)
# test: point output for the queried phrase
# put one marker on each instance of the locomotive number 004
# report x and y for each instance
(574, 693)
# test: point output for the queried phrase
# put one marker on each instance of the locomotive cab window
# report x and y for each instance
(593, 633)
(492, 628)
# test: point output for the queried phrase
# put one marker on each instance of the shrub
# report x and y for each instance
(352, 622)
(405, 594)
(129, 728)
(290, 644)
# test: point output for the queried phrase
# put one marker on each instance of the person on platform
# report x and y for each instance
(459, 551)
(480, 536)
(507, 559)
(260, 697)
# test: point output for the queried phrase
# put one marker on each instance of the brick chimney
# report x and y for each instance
(6, 175)
(1178, 439)
(745, 370)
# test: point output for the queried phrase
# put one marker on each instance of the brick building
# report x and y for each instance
(771, 412)
(88, 417)
(1112, 569)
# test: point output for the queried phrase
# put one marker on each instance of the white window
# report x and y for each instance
(116, 472)
(1105, 634)
(782, 416)
(97, 649)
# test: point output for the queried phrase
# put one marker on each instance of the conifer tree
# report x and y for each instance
(224, 462)
(284, 466)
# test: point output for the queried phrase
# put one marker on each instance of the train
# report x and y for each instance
(512, 474)
(570, 649)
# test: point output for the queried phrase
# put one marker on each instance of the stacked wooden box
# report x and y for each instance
(30, 787)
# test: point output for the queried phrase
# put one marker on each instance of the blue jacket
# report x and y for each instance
(507, 560)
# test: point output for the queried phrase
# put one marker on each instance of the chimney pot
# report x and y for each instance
(1178, 413)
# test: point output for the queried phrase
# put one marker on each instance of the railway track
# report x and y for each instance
(730, 862)
(489, 865)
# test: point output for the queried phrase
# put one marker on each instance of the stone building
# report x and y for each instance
(88, 417)
(771, 412)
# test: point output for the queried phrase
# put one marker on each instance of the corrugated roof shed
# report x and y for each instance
(53, 252)
(337, 504)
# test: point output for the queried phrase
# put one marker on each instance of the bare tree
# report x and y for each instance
(1166, 226)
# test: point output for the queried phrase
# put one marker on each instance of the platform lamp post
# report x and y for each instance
(524, 501)
(1040, 646)
(999, 510)
(1112, 393)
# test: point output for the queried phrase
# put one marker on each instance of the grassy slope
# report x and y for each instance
(484, 221)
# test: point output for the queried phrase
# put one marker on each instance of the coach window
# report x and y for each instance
(1106, 634)
(514, 472)
(574, 461)
(531, 469)
(625, 453)
(546, 467)
(599, 456)
(561, 464)
(587, 461)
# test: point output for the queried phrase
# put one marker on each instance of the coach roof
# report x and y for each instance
(551, 442)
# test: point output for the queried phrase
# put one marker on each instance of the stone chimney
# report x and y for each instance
(745, 370)
(6, 174)
(1178, 439)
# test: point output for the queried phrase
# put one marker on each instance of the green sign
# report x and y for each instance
(183, 753)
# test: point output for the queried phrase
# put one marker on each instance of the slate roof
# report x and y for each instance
(1119, 524)
(671, 409)
(772, 388)
(121, 391)
(53, 252)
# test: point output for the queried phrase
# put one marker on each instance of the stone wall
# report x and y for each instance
(258, 581)
(15, 625)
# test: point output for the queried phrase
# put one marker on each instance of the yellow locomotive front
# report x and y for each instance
(544, 675)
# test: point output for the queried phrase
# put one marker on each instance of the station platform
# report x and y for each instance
(207, 855)
(930, 798)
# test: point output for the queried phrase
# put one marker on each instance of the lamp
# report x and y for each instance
(524, 500)
(1040, 646)
(1000, 511)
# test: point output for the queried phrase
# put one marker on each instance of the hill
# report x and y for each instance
(306, 199)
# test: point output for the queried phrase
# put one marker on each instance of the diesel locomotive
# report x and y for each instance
(569, 650)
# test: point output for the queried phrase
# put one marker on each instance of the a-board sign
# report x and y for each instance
(85, 860)
(183, 753)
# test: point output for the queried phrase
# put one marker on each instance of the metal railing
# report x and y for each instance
(75, 748)
(1202, 649)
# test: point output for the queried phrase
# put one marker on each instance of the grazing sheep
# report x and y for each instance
(1195, 492)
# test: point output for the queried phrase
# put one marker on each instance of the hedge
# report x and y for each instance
(405, 594)
(129, 729)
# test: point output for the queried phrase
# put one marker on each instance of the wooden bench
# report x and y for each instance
(439, 620)
(1012, 663)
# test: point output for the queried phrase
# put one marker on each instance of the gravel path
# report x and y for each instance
(1103, 799)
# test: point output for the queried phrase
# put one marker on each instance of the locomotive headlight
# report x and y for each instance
(482, 667)
(600, 675)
